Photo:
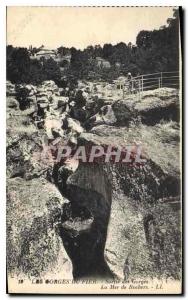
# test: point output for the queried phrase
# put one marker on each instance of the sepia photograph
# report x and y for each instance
(94, 150)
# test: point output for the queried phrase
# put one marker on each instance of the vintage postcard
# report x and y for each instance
(94, 150)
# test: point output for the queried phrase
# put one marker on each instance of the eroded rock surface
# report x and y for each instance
(34, 248)
(120, 220)
(150, 108)
(138, 193)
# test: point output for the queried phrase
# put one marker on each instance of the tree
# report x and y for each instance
(155, 51)
(107, 50)
(143, 39)
(36, 72)
(51, 70)
(18, 64)
(62, 51)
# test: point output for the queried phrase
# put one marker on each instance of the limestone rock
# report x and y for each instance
(104, 116)
(93, 105)
(61, 101)
(137, 190)
(12, 103)
(151, 107)
(74, 126)
(123, 111)
(34, 247)
(27, 157)
(126, 251)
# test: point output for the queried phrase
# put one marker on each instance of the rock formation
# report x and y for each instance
(101, 219)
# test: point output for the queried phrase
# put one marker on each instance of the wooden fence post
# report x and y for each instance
(161, 79)
(159, 82)
(132, 86)
(142, 83)
(159, 86)
(139, 87)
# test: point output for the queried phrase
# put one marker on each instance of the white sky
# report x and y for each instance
(80, 26)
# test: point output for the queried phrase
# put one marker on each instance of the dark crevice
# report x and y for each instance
(83, 227)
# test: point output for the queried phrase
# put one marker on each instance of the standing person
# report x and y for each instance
(129, 78)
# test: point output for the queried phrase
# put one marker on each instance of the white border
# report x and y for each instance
(94, 2)
(3, 4)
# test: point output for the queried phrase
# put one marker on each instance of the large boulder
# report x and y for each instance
(129, 258)
(93, 105)
(18, 121)
(124, 111)
(34, 248)
(50, 86)
(162, 104)
(135, 209)
(12, 103)
(31, 99)
(150, 107)
(150, 239)
(59, 102)
(104, 116)
(61, 173)
(31, 89)
(159, 174)
(160, 143)
(62, 101)
(52, 124)
(27, 156)
(74, 126)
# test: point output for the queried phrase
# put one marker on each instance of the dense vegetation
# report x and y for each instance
(155, 51)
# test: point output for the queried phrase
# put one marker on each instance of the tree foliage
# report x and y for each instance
(155, 51)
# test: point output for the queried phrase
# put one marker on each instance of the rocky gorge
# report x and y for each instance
(71, 219)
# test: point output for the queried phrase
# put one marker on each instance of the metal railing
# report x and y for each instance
(152, 81)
